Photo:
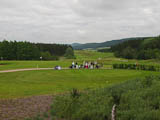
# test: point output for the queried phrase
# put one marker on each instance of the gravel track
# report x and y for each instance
(27, 69)
(32, 69)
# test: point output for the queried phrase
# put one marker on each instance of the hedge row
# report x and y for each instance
(136, 67)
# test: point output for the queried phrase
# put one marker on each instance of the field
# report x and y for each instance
(19, 91)
(29, 83)
(32, 83)
(82, 55)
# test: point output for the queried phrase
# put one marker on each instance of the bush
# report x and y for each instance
(136, 67)
(69, 53)
(136, 100)
(48, 56)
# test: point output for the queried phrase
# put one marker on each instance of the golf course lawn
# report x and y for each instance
(32, 83)
(107, 59)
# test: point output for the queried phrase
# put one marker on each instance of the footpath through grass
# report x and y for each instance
(30, 83)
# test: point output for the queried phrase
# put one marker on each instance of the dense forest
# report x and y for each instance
(138, 49)
(13, 50)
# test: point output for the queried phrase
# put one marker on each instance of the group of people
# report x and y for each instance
(85, 65)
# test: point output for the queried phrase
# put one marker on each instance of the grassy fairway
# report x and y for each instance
(92, 55)
(29, 83)
(31, 64)
(82, 55)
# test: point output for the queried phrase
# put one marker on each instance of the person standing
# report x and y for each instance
(73, 64)
(76, 66)
(86, 65)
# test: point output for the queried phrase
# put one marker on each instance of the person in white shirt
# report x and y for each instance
(73, 64)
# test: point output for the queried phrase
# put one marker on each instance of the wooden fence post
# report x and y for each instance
(114, 112)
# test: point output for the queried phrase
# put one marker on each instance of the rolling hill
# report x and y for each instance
(103, 44)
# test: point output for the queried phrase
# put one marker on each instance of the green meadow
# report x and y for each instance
(44, 82)
(29, 83)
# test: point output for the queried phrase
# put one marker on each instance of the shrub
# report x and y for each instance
(135, 99)
(48, 56)
(69, 53)
(136, 67)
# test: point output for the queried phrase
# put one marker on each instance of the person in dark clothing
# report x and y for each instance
(97, 66)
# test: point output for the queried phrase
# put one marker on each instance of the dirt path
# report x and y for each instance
(27, 69)
(19, 109)
(30, 69)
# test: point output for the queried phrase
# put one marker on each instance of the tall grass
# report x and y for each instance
(137, 99)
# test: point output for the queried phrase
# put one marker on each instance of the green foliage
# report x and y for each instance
(18, 51)
(138, 49)
(53, 49)
(105, 50)
(85, 107)
(136, 100)
(30, 51)
(8, 50)
(141, 103)
(48, 56)
(136, 67)
(69, 53)
(129, 53)
(74, 93)
(27, 51)
(45, 115)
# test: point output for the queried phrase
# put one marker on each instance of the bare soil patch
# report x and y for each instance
(19, 109)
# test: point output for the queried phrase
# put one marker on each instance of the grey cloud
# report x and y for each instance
(67, 21)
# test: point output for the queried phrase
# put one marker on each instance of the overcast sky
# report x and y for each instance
(70, 21)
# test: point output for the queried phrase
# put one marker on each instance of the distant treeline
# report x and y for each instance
(138, 49)
(13, 50)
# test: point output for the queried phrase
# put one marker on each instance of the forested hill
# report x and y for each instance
(138, 49)
(103, 44)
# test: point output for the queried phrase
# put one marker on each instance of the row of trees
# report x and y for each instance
(138, 49)
(136, 67)
(13, 50)
(53, 49)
